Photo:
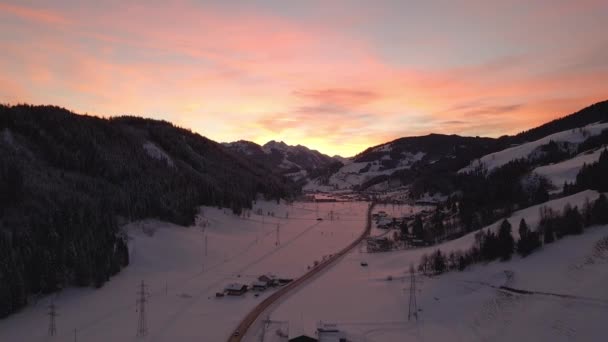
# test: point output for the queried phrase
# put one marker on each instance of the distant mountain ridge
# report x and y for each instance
(295, 162)
(405, 160)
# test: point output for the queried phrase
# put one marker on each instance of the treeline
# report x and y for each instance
(485, 197)
(597, 112)
(591, 176)
(490, 246)
(68, 181)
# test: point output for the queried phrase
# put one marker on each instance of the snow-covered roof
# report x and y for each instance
(234, 287)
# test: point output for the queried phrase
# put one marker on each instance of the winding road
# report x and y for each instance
(253, 315)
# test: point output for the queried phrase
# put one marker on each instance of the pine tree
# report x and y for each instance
(522, 244)
(505, 241)
(599, 210)
(418, 228)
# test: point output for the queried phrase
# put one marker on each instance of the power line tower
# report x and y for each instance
(52, 314)
(142, 328)
(413, 308)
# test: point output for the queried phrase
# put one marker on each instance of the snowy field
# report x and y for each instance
(465, 306)
(182, 276)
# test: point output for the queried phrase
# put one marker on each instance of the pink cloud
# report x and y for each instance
(33, 14)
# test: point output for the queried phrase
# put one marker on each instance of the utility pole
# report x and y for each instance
(52, 314)
(142, 328)
(264, 326)
(413, 307)
(278, 235)
(206, 244)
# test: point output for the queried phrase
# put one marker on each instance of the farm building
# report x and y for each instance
(235, 289)
(259, 286)
(269, 278)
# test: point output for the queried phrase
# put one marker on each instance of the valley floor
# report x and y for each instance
(564, 297)
(182, 278)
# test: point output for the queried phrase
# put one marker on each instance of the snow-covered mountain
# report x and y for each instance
(567, 141)
(434, 158)
(296, 162)
(399, 161)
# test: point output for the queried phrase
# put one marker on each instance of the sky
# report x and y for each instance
(334, 75)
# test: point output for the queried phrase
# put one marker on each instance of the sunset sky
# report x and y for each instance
(337, 76)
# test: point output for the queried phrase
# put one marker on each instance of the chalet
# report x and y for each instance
(259, 286)
(269, 278)
(235, 289)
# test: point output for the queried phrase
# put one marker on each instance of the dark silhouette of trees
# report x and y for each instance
(67, 180)
(528, 240)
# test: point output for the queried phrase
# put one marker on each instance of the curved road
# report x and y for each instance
(253, 315)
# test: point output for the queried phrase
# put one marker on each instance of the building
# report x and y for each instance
(235, 289)
(303, 338)
(259, 286)
(378, 244)
(270, 279)
(329, 333)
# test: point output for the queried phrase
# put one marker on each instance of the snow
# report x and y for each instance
(567, 170)
(182, 280)
(350, 174)
(464, 306)
(157, 153)
(574, 136)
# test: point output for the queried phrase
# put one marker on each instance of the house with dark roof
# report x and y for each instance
(235, 289)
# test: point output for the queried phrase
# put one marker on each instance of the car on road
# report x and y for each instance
(320, 219)
(237, 333)
(364, 263)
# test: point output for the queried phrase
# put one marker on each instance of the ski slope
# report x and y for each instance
(574, 136)
(465, 306)
(182, 278)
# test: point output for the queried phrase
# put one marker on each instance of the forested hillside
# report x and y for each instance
(66, 181)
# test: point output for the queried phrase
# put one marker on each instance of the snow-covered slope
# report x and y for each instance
(528, 150)
(157, 153)
(183, 272)
(566, 171)
(465, 306)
